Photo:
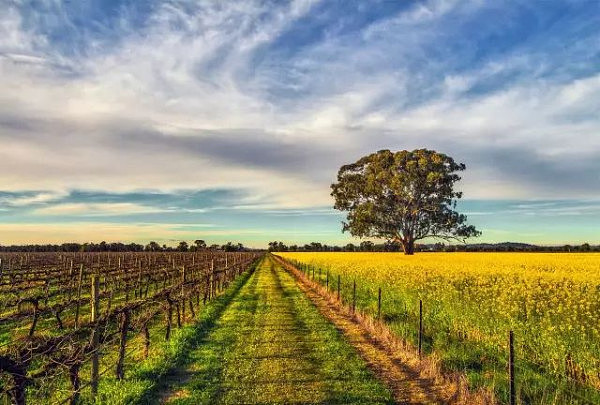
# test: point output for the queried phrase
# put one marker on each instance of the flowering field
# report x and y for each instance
(472, 300)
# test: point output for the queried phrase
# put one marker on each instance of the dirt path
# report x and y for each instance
(406, 382)
(272, 346)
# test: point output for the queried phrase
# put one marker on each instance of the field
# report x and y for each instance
(470, 303)
(215, 327)
(74, 325)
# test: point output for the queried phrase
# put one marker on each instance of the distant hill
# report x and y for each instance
(515, 245)
(508, 247)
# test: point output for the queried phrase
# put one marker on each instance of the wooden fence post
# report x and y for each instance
(511, 367)
(379, 304)
(95, 333)
(420, 326)
(353, 296)
(327, 281)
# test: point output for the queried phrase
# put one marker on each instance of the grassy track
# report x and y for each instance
(271, 346)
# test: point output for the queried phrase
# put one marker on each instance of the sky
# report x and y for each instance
(178, 120)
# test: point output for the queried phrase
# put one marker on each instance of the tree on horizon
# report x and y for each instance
(402, 197)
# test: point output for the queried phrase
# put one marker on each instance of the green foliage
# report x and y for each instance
(402, 196)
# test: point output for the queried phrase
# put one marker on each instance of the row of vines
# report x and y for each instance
(67, 319)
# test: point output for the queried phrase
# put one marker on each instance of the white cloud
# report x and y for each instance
(97, 209)
(34, 199)
(90, 120)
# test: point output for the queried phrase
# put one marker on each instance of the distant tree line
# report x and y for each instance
(183, 246)
(368, 246)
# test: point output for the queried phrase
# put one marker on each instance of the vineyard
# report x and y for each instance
(460, 308)
(69, 321)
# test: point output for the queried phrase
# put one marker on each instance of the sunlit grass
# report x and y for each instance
(272, 346)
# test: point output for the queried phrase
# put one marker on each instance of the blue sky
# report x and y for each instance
(170, 120)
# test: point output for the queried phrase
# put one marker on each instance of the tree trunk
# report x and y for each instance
(408, 245)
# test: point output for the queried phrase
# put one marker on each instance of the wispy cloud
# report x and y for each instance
(31, 198)
(97, 209)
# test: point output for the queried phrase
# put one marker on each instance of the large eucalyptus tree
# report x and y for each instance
(402, 196)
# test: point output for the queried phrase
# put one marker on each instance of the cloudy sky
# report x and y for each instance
(168, 120)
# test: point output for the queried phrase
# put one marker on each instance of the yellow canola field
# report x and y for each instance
(551, 301)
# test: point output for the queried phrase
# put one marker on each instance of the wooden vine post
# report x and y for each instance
(75, 382)
(206, 288)
(79, 281)
(95, 309)
(168, 317)
(183, 292)
(379, 304)
(122, 343)
(35, 304)
(212, 272)
(146, 339)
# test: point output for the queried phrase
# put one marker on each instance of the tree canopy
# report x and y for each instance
(403, 197)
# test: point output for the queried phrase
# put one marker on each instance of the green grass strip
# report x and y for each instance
(272, 346)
